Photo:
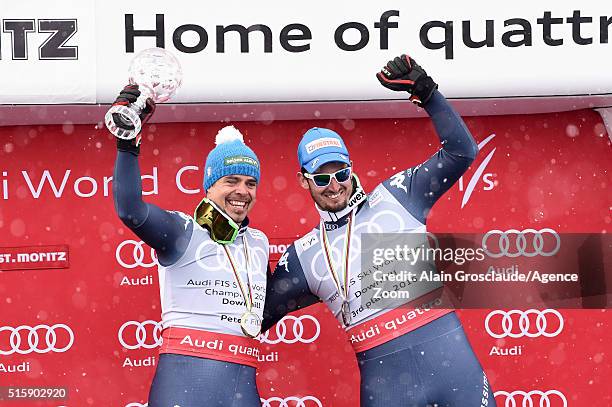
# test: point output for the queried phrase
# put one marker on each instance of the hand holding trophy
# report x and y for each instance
(158, 75)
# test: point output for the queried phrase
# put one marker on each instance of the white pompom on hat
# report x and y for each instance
(230, 157)
(227, 134)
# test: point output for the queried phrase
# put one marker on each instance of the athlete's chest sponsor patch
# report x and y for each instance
(375, 198)
(308, 241)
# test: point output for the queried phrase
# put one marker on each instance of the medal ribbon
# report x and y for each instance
(248, 299)
(343, 291)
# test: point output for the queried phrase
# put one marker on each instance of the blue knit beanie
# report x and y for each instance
(230, 157)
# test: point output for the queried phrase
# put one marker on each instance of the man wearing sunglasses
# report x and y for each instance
(426, 359)
(212, 273)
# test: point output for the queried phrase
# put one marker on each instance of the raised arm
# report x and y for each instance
(167, 232)
(418, 188)
(450, 128)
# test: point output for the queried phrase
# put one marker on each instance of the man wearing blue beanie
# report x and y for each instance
(231, 174)
(413, 352)
(212, 274)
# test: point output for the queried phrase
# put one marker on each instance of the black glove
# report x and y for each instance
(404, 74)
(127, 96)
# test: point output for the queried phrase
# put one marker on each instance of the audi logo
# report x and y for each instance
(308, 401)
(39, 339)
(550, 398)
(135, 257)
(292, 329)
(514, 243)
(531, 323)
(140, 336)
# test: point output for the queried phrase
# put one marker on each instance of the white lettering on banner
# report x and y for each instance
(92, 192)
(487, 178)
(83, 187)
(146, 280)
(307, 401)
(278, 248)
(40, 257)
(243, 350)
(5, 191)
(268, 357)
(136, 404)
(549, 398)
(179, 183)
(46, 177)
(512, 351)
(146, 362)
(200, 343)
(18, 368)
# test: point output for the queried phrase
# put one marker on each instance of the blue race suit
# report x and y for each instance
(194, 278)
(437, 347)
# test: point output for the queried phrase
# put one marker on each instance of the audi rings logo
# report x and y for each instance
(308, 401)
(514, 243)
(292, 329)
(136, 335)
(534, 398)
(39, 339)
(131, 254)
(517, 324)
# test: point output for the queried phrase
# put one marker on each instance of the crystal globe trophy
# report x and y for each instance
(158, 75)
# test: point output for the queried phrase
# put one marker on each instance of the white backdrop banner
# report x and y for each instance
(47, 52)
(240, 51)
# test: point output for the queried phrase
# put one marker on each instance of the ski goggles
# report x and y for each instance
(222, 228)
(323, 180)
